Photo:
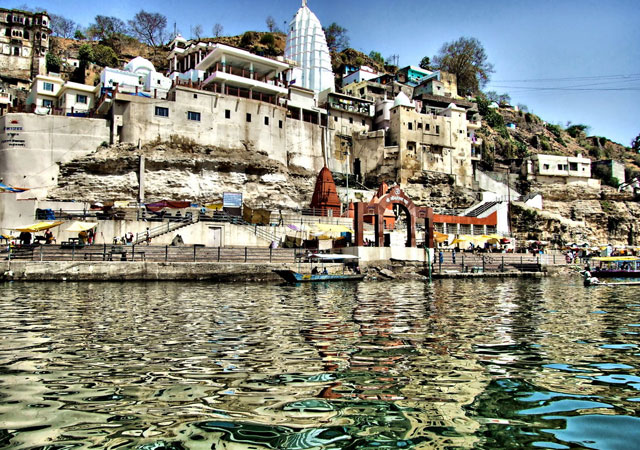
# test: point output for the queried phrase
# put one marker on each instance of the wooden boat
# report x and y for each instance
(615, 267)
(291, 276)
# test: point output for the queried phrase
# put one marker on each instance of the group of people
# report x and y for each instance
(128, 238)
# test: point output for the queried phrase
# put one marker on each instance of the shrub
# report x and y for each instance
(576, 131)
(247, 39)
(267, 39)
(53, 63)
(544, 144)
(105, 56)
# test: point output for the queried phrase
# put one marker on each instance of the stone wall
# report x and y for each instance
(32, 146)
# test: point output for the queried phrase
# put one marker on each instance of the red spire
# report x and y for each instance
(325, 196)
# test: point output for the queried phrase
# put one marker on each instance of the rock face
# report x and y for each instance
(577, 213)
(199, 174)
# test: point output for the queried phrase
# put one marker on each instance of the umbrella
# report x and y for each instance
(440, 237)
(77, 227)
(40, 226)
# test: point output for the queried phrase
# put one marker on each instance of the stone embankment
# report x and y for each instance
(211, 271)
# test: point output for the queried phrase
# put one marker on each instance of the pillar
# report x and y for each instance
(358, 223)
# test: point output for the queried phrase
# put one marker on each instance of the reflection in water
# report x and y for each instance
(455, 364)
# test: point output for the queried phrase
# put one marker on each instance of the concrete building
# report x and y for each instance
(52, 95)
(363, 73)
(615, 169)
(558, 169)
(307, 47)
(24, 42)
(138, 76)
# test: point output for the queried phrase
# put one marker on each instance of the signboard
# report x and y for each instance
(232, 200)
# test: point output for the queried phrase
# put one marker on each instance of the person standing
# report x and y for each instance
(453, 255)
(147, 235)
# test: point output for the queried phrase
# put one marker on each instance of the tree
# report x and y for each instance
(104, 56)
(79, 35)
(337, 39)
(85, 54)
(377, 57)
(61, 26)
(53, 63)
(271, 25)
(635, 143)
(577, 130)
(149, 27)
(197, 31)
(217, 30)
(425, 63)
(466, 59)
(500, 99)
(268, 39)
(106, 28)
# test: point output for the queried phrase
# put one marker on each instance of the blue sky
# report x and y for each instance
(575, 61)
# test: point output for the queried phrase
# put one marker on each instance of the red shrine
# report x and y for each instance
(325, 195)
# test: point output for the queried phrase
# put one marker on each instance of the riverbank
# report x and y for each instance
(211, 271)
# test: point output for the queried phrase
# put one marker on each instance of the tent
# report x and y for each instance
(77, 227)
(40, 226)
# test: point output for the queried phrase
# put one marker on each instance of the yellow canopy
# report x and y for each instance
(326, 227)
(40, 226)
(440, 237)
(214, 206)
(77, 227)
(615, 258)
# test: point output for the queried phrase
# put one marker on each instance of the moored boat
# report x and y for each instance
(350, 269)
(615, 267)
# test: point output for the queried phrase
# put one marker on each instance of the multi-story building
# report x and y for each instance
(24, 42)
(52, 95)
(558, 169)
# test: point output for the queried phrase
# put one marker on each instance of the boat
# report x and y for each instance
(615, 267)
(291, 276)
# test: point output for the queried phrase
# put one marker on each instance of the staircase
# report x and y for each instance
(164, 228)
(255, 229)
(481, 209)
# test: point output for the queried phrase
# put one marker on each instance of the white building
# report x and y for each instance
(52, 95)
(362, 74)
(138, 76)
(558, 169)
(307, 47)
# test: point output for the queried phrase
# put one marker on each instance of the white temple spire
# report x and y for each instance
(307, 46)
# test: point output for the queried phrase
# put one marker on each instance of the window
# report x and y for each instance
(248, 117)
(266, 120)
(47, 86)
(81, 99)
(363, 122)
(280, 124)
(559, 166)
(545, 166)
(162, 112)
(350, 119)
(437, 129)
(573, 166)
(47, 103)
(428, 127)
(192, 115)
(335, 118)
(195, 95)
(227, 114)
(16, 51)
(410, 126)
(419, 125)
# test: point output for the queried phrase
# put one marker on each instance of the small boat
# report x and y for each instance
(348, 261)
(615, 267)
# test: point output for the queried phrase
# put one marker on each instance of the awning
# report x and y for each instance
(326, 227)
(440, 237)
(157, 206)
(323, 256)
(6, 188)
(77, 227)
(40, 226)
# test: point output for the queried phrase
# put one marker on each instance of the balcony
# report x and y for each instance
(243, 78)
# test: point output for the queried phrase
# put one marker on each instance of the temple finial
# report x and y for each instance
(304, 3)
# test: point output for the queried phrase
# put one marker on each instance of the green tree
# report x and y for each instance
(577, 130)
(425, 63)
(268, 39)
(337, 39)
(635, 144)
(149, 27)
(53, 63)
(105, 56)
(85, 54)
(467, 60)
(79, 35)
(377, 57)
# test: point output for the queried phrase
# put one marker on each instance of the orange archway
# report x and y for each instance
(393, 196)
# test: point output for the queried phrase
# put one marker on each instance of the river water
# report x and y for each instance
(373, 365)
